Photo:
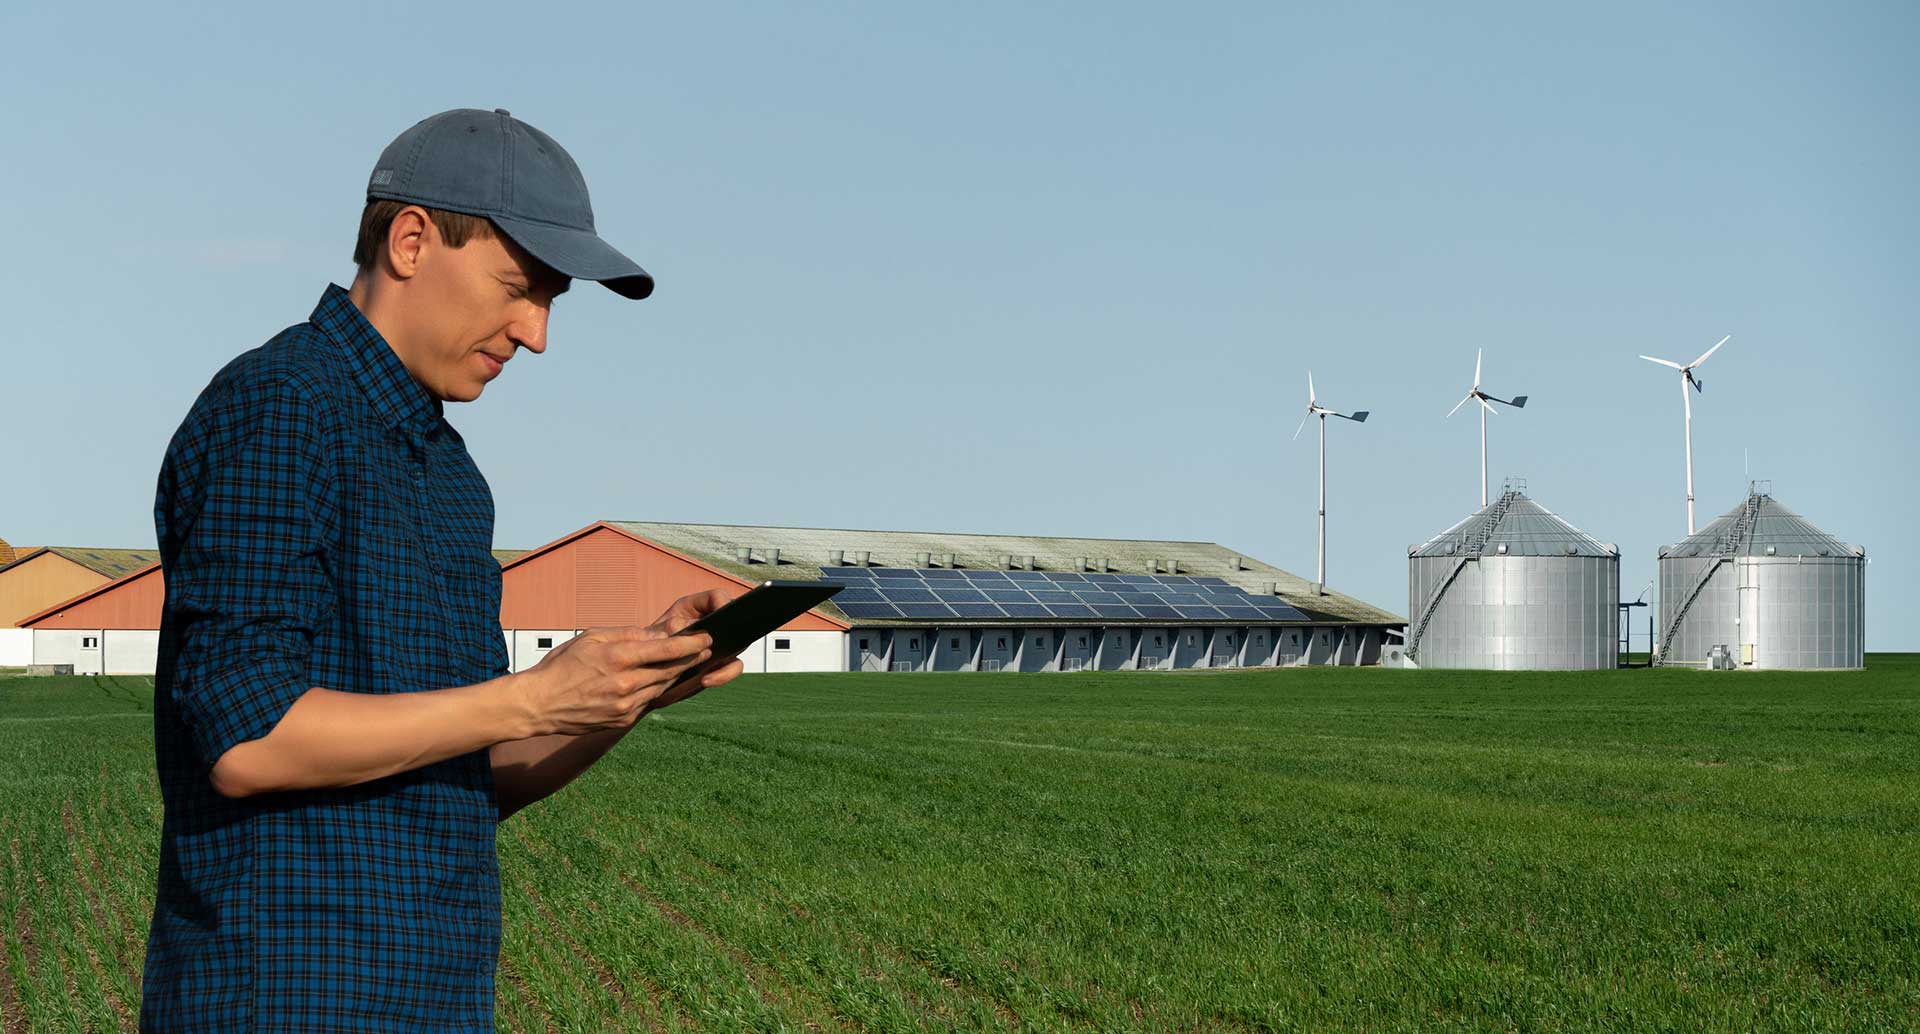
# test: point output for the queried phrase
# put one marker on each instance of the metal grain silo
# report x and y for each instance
(1765, 583)
(1513, 587)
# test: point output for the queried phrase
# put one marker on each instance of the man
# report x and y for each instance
(335, 728)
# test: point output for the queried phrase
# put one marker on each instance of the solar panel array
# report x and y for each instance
(932, 594)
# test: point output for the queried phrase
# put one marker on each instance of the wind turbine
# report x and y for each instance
(1315, 409)
(1686, 378)
(1486, 406)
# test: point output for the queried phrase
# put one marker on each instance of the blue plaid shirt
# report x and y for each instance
(321, 525)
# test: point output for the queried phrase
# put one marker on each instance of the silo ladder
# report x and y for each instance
(1727, 548)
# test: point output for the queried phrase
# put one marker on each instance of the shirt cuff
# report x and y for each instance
(241, 702)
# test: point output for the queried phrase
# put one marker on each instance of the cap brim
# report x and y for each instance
(579, 254)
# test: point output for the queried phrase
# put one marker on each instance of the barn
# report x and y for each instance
(31, 580)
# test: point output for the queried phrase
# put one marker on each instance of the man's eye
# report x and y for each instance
(516, 291)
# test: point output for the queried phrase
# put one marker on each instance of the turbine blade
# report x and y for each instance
(1488, 406)
(1663, 362)
(1712, 350)
(1303, 425)
(1457, 405)
(1476, 369)
(1310, 399)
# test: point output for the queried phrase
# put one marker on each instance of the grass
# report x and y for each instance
(1306, 849)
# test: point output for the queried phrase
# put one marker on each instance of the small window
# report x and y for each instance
(1229, 640)
(1189, 638)
(1296, 638)
(913, 644)
(1000, 643)
(1041, 642)
(1156, 642)
(863, 644)
(954, 642)
(1083, 642)
(783, 644)
(1260, 640)
(89, 642)
(545, 642)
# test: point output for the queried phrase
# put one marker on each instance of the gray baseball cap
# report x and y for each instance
(490, 164)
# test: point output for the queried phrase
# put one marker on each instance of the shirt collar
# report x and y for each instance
(395, 395)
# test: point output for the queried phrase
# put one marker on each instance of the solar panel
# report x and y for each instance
(949, 594)
(868, 610)
(902, 595)
(1069, 576)
(900, 583)
(1158, 613)
(1277, 609)
(1111, 579)
(988, 577)
(846, 574)
(1242, 613)
(1209, 580)
(1183, 599)
(977, 610)
(925, 610)
(1026, 610)
(1008, 595)
(1200, 613)
(1071, 610)
(1096, 598)
(1140, 599)
(1029, 576)
(942, 574)
(895, 572)
(1052, 596)
(858, 594)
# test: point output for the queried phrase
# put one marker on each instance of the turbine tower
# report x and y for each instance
(1687, 378)
(1486, 406)
(1315, 409)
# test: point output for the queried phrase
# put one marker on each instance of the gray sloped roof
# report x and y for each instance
(803, 551)
(1775, 526)
(109, 563)
(1523, 526)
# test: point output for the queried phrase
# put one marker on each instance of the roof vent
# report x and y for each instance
(836, 558)
(1501, 549)
(863, 557)
(772, 555)
(1238, 563)
(923, 560)
(1083, 563)
(1270, 588)
(949, 560)
(1106, 564)
(1771, 550)
(1032, 563)
(1571, 551)
(744, 554)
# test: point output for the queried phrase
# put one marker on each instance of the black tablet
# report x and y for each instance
(762, 609)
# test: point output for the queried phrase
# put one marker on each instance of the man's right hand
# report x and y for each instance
(606, 678)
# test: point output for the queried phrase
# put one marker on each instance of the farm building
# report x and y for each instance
(39, 578)
(927, 601)
(32, 580)
(915, 602)
(1768, 585)
(1514, 587)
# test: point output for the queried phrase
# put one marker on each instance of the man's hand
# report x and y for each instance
(607, 678)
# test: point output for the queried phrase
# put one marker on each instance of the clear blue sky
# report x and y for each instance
(1000, 268)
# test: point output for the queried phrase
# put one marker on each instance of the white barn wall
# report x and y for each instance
(16, 647)
(130, 651)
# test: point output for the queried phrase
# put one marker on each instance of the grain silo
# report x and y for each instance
(1766, 584)
(1514, 587)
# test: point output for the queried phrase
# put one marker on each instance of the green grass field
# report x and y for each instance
(1275, 850)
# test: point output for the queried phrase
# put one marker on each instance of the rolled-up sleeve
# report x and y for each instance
(250, 587)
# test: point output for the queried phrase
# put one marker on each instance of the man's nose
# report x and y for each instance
(530, 330)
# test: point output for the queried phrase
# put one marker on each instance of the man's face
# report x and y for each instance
(469, 309)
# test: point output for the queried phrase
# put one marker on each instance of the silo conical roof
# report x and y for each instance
(1517, 522)
(1774, 526)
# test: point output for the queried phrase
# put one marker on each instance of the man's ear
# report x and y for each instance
(407, 241)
